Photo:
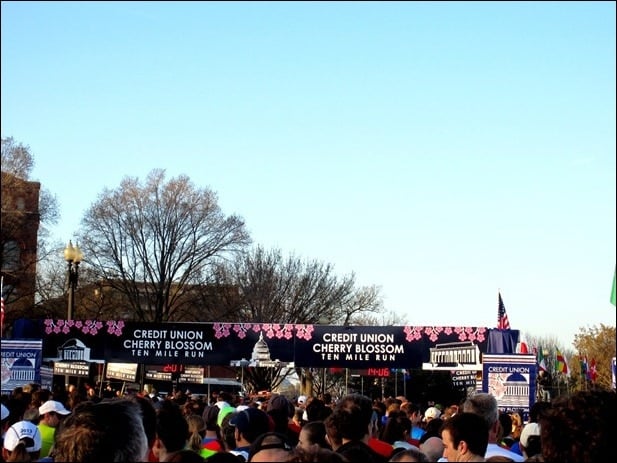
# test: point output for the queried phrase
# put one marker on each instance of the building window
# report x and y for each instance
(10, 256)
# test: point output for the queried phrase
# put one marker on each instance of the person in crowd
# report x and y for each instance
(347, 433)
(465, 437)
(196, 434)
(536, 410)
(504, 435)
(148, 416)
(415, 415)
(449, 412)
(362, 408)
(391, 405)
(412, 454)
(171, 430)
(297, 421)
(431, 413)
(22, 442)
(51, 414)
(316, 410)
(432, 429)
(110, 430)
(281, 410)
(485, 405)
(212, 441)
(39, 397)
(397, 430)
(270, 446)
(315, 453)
(313, 433)
(433, 447)
(248, 425)
(529, 441)
(579, 428)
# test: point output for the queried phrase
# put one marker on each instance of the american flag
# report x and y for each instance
(502, 317)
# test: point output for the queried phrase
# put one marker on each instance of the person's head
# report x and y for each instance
(579, 427)
(433, 447)
(431, 413)
(249, 424)
(409, 455)
(281, 410)
(313, 432)
(484, 405)
(171, 430)
(333, 424)
(530, 440)
(316, 410)
(52, 412)
(397, 428)
(148, 418)
(315, 453)
(22, 442)
(270, 446)
(210, 416)
(465, 437)
(197, 431)
(228, 433)
(348, 424)
(110, 430)
(432, 429)
(505, 425)
(361, 404)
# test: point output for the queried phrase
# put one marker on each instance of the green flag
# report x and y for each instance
(541, 360)
(613, 291)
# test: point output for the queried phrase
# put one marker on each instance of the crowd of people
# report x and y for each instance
(39, 425)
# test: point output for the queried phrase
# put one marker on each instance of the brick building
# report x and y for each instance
(19, 226)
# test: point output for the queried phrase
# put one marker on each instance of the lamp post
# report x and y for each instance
(73, 256)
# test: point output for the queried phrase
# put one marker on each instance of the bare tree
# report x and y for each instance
(275, 289)
(290, 290)
(155, 242)
(27, 211)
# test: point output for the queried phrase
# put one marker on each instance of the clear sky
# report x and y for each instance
(441, 151)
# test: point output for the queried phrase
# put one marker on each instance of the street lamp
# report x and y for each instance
(73, 256)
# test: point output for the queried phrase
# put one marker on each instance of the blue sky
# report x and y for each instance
(441, 151)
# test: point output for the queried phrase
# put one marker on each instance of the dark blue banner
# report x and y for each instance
(249, 344)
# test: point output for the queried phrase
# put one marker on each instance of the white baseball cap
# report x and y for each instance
(530, 429)
(23, 430)
(431, 413)
(53, 406)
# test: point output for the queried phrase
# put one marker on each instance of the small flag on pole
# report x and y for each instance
(593, 371)
(541, 360)
(561, 365)
(502, 317)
